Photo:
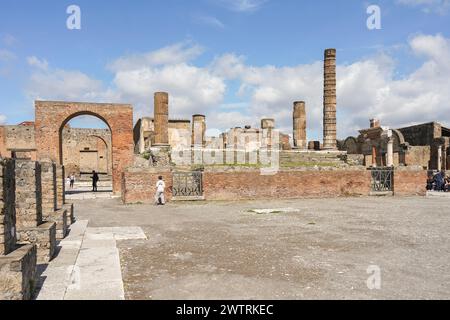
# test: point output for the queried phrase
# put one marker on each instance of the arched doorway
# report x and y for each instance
(86, 146)
(52, 117)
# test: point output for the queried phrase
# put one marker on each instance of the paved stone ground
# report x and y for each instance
(317, 249)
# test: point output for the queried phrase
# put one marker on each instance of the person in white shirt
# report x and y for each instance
(160, 188)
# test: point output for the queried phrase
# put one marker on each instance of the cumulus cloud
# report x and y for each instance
(428, 6)
(48, 83)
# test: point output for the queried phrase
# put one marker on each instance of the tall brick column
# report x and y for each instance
(29, 220)
(161, 109)
(329, 101)
(299, 118)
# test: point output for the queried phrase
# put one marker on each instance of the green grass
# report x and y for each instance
(307, 164)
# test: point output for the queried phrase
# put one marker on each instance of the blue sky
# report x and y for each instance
(235, 60)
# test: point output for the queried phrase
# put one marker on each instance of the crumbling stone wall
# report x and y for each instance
(422, 134)
(85, 150)
(7, 209)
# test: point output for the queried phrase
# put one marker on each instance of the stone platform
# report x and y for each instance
(44, 236)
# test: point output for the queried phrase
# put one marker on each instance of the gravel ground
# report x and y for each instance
(317, 249)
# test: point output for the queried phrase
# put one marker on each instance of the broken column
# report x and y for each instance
(161, 110)
(267, 126)
(198, 130)
(50, 210)
(299, 117)
(17, 264)
(29, 220)
(329, 101)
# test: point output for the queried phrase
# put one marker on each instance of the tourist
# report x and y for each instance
(68, 181)
(447, 184)
(95, 179)
(160, 188)
(439, 180)
(72, 180)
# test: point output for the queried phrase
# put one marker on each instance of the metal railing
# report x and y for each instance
(382, 179)
(187, 184)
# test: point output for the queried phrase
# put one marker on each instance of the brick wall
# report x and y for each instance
(285, 185)
(48, 180)
(139, 185)
(410, 182)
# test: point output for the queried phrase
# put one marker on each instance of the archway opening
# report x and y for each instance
(85, 147)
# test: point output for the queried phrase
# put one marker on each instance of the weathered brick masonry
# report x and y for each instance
(242, 185)
(139, 185)
(410, 182)
(7, 210)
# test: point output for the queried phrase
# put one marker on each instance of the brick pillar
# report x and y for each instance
(198, 130)
(161, 110)
(49, 187)
(7, 209)
(28, 194)
(30, 226)
(329, 101)
(60, 186)
(299, 118)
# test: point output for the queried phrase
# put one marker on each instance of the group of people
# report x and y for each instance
(438, 182)
(70, 180)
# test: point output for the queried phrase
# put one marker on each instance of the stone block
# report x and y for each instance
(44, 236)
(7, 209)
(18, 274)
(60, 218)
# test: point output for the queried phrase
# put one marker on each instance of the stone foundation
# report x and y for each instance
(18, 274)
(44, 237)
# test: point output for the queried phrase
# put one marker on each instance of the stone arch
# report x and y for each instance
(351, 145)
(52, 116)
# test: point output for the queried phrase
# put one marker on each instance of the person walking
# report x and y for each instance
(160, 188)
(72, 180)
(95, 179)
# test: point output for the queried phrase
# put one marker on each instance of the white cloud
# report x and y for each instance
(210, 21)
(177, 53)
(242, 5)
(2, 119)
(428, 6)
(6, 55)
(37, 63)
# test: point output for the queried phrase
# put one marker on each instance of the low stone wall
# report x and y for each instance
(243, 185)
(409, 182)
(139, 185)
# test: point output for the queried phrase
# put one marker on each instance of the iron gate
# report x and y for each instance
(382, 179)
(187, 185)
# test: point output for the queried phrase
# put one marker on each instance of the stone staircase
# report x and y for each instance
(309, 159)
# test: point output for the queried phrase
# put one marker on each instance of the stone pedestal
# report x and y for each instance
(29, 221)
(18, 274)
